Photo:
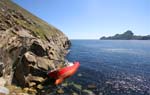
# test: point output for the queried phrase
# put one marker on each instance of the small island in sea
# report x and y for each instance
(128, 35)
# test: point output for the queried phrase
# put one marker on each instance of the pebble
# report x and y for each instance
(4, 90)
(32, 84)
(91, 86)
(74, 93)
(87, 92)
(32, 91)
(40, 86)
(22, 94)
(60, 91)
(25, 90)
(79, 87)
(100, 93)
(79, 75)
(64, 84)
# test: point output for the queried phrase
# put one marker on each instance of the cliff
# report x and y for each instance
(29, 47)
(128, 35)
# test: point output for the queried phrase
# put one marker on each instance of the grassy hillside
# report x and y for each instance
(25, 19)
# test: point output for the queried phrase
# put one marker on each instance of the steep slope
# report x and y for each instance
(29, 46)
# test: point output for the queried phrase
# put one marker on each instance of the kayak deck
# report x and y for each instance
(63, 73)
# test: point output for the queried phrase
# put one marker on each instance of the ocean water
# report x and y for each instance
(118, 67)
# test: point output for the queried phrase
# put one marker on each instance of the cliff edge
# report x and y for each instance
(29, 47)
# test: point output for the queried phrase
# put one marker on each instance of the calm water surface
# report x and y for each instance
(119, 54)
(114, 67)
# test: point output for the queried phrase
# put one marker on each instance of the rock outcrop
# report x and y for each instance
(128, 35)
(29, 47)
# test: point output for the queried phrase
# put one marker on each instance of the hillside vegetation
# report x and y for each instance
(13, 15)
(128, 35)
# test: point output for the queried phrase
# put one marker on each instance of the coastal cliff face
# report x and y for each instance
(29, 47)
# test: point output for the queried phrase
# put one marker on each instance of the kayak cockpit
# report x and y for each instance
(60, 74)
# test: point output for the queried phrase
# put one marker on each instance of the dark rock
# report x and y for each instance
(29, 47)
(1, 69)
(38, 49)
(128, 35)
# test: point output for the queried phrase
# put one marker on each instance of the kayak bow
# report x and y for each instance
(63, 73)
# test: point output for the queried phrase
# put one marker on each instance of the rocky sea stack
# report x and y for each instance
(29, 47)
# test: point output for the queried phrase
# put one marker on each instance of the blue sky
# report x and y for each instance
(91, 19)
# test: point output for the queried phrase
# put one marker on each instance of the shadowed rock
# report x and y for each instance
(29, 47)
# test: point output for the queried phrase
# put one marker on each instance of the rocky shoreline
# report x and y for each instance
(29, 48)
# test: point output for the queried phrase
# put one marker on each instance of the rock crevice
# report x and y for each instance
(29, 47)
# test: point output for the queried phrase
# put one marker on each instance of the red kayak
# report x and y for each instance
(65, 72)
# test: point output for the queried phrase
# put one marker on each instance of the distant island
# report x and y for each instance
(128, 35)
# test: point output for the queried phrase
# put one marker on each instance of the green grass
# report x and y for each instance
(40, 28)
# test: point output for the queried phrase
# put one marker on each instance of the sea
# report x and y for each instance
(110, 67)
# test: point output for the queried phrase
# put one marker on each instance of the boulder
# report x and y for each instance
(29, 48)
